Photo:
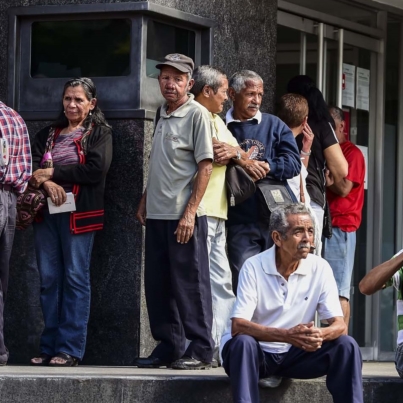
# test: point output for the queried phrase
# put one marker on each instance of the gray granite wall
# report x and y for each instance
(244, 37)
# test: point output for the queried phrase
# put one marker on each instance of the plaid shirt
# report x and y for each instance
(19, 168)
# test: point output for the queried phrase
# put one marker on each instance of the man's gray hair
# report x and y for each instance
(279, 217)
(337, 113)
(207, 75)
(239, 79)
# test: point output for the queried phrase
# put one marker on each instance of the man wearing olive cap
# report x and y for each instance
(177, 282)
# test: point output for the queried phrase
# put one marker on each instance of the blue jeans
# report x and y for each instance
(64, 268)
(399, 359)
(339, 252)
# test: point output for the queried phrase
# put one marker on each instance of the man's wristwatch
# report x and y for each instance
(238, 155)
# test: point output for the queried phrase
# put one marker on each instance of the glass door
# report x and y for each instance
(297, 50)
(344, 66)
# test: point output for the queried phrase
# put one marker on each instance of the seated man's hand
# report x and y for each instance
(256, 169)
(305, 336)
(223, 152)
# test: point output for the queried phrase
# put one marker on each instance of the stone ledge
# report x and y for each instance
(125, 384)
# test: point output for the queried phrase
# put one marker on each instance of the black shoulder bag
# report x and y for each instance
(240, 186)
(327, 230)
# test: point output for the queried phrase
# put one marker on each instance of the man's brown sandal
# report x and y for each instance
(69, 361)
(44, 360)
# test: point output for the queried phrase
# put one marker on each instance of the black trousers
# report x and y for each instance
(178, 292)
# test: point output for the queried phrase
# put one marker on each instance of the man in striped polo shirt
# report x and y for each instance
(382, 276)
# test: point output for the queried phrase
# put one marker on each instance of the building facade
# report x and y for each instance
(117, 43)
(352, 49)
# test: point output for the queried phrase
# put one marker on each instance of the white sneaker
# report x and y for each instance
(270, 382)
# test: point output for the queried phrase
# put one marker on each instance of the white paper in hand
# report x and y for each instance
(69, 205)
(4, 153)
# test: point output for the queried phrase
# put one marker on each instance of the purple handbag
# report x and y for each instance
(33, 200)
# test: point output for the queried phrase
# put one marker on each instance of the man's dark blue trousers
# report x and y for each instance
(245, 363)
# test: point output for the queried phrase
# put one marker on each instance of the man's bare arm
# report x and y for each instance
(336, 162)
(141, 209)
(185, 228)
(336, 328)
(303, 336)
(259, 332)
(342, 188)
(379, 275)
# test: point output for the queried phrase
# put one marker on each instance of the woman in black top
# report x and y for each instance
(72, 156)
(325, 152)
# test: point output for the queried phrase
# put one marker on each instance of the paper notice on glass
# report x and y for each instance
(363, 77)
(69, 205)
(364, 151)
(348, 85)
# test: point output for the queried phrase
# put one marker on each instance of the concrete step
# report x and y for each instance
(125, 384)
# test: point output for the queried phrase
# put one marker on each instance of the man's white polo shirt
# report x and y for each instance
(266, 298)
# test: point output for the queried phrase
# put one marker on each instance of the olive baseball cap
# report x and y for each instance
(181, 62)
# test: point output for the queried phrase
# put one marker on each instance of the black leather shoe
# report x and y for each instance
(151, 362)
(190, 363)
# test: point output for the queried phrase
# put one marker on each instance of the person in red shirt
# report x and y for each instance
(346, 199)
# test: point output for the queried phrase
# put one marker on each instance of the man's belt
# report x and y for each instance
(7, 188)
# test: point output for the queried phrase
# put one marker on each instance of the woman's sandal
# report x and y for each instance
(69, 361)
(44, 360)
